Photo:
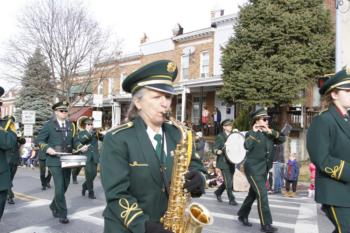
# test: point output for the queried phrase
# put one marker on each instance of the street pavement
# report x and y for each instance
(31, 213)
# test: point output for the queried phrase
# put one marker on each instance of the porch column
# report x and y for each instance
(115, 114)
(183, 104)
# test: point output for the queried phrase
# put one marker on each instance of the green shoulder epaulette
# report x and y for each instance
(119, 128)
(324, 110)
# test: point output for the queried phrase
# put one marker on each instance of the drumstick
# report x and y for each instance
(76, 151)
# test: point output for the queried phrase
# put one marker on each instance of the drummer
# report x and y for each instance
(227, 168)
(59, 135)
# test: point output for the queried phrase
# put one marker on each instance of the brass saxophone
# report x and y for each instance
(181, 215)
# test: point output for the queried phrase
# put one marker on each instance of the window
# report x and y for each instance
(204, 64)
(185, 65)
(100, 87)
(178, 108)
(196, 109)
(110, 86)
(122, 77)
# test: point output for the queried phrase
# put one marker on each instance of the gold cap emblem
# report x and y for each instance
(171, 67)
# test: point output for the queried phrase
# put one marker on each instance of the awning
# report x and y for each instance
(76, 112)
(83, 88)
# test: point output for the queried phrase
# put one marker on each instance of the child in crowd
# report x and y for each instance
(291, 175)
(312, 169)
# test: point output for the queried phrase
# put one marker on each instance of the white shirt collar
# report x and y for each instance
(151, 133)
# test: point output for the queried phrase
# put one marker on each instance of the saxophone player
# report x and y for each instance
(8, 141)
(136, 163)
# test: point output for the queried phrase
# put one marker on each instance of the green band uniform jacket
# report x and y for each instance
(52, 136)
(259, 146)
(91, 139)
(131, 177)
(328, 144)
(221, 160)
(8, 141)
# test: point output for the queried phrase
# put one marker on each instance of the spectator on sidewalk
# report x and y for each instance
(200, 145)
(312, 169)
(278, 167)
(291, 175)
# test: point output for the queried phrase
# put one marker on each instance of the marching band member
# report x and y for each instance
(136, 163)
(227, 168)
(59, 135)
(259, 143)
(88, 136)
(8, 140)
(328, 144)
(13, 158)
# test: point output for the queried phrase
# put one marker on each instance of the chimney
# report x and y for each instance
(215, 13)
(177, 30)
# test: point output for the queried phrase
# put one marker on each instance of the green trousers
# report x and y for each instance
(90, 174)
(61, 179)
(339, 216)
(13, 170)
(227, 184)
(257, 191)
(43, 178)
(75, 173)
(3, 198)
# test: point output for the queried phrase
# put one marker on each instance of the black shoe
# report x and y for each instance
(48, 186)
(54, 212)
(244, 221)
(268, 228)
(64, 220)
(233, 202)
(10, 201)
(83, 191)
(218, 197)
(43, 188)
(92, 195)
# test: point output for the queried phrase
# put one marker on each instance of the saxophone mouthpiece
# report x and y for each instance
(167, 115)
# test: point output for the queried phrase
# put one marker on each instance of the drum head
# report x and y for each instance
(234, 145)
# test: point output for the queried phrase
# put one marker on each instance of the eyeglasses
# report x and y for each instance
(64, 111)
(88, 124)
(264, 119)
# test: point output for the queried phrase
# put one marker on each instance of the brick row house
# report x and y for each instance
(197, 55)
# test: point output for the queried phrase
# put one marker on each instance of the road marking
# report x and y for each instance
(253, 220)
(271, 205)
(35, 229)
(85, 215)
(25, 197)
(307, 219)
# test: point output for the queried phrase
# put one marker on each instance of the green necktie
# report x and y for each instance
(158, 138)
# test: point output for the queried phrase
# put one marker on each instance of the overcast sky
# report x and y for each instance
(129, 19)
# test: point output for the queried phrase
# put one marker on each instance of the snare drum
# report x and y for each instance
(73, 161)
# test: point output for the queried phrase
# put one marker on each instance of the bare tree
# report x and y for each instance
(70, 39)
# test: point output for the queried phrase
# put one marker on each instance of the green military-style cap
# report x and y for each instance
(2, 91)
(226, 122)
(341, 80)
(88, 120)
(261, 112)
(9, 117)
(60, 105)
(158, 75)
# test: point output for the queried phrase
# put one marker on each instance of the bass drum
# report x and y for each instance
(234, 147)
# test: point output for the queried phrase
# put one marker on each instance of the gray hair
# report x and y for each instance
(133, 112)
